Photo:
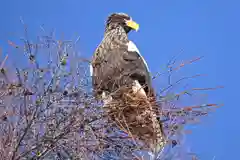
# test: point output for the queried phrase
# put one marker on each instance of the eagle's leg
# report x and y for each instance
(138, 89)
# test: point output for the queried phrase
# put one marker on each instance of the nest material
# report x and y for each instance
(137, 117)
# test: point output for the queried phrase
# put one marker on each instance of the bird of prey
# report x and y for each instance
(117, 61)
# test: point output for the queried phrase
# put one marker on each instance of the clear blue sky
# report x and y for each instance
(195, 27)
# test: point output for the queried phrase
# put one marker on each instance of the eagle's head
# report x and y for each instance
(121, 20)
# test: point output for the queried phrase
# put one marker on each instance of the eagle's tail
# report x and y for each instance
(158, 139)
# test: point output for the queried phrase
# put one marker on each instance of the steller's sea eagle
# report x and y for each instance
(117, 62)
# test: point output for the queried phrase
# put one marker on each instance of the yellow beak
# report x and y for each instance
(132, 25)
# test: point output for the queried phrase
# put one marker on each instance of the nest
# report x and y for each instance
(136, 116)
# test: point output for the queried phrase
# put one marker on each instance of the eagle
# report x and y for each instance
(117, 61)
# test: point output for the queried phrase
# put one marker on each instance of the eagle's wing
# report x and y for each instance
(141, 76)
(132, 48)
(118, 67)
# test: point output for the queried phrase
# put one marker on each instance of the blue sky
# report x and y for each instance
(167, 27)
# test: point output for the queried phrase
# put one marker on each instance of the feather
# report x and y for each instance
(91, 70)
(133, 48)
(138, 89)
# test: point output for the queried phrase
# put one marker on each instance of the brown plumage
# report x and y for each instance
(117, 64)
(113, 65)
